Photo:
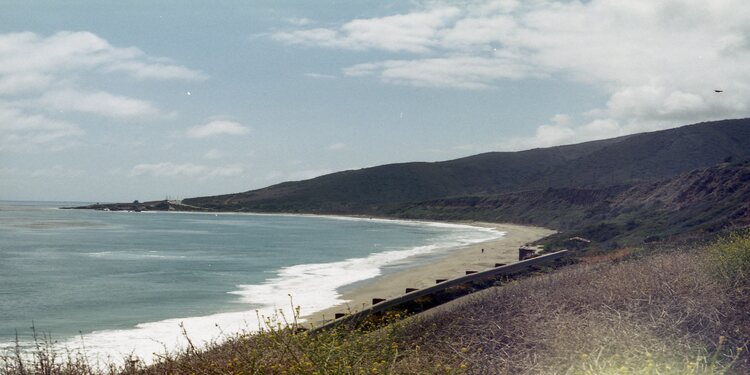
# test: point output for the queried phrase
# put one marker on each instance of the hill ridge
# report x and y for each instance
(617, 161)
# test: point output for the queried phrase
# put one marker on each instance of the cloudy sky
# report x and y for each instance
(115, 102)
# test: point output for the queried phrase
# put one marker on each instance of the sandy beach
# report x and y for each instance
(453, 264)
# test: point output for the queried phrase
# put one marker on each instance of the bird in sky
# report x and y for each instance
(718, 90)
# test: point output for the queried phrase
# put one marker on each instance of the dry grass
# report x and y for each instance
(661, 314)
(280, 348)
(679, 312)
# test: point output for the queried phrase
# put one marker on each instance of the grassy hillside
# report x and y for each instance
(671, 312)
(697, 202)
(613, 162)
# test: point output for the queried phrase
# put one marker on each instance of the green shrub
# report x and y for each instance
(730, 258)
(641, 361)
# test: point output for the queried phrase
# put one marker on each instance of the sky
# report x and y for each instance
(117, 101)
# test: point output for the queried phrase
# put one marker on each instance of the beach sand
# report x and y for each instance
(453, 264)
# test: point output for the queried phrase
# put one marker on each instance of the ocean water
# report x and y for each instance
(121, 283)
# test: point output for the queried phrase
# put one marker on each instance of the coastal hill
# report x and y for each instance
(701, 201)
(638, 188)
(623, 161)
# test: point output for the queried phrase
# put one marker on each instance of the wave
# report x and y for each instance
(133, 255)
(58, 224)
(312, 287)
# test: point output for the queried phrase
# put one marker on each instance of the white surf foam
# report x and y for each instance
(312, 287)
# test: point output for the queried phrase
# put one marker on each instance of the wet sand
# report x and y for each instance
(453, 264)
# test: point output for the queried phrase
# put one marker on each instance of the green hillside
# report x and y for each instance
(599, 164)
(702, 201)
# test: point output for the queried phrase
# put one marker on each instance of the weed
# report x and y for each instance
(730, 258)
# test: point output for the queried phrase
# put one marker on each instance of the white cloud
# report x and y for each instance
(216, 128)
(45, 73)
(659, 61)
(306, 174)
(465, 72)
(411, 32)
(99, 103)
(337, 146)
(299, 21)
(20, 131)
(56, 171)
(27, 54)
(22, 83)
(563, 132)
(319, 76)
(213, 154)
(168, 169)
(477, 31)
(155, 70)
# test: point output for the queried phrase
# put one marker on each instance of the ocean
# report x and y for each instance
(121, 283)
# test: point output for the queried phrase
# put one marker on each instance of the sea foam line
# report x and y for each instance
(312, 287)
(412, 222)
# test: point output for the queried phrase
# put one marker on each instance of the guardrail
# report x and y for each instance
(380, 305)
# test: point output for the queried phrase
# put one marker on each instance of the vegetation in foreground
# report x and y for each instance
(678, 311)
(671, 312)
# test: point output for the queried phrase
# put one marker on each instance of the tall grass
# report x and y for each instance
(656, 314)
(280, 347)
(730, 258)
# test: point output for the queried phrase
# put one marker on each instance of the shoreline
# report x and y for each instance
(449, 262)
(450, 265)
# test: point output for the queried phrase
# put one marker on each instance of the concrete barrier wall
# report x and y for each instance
(382, 304)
